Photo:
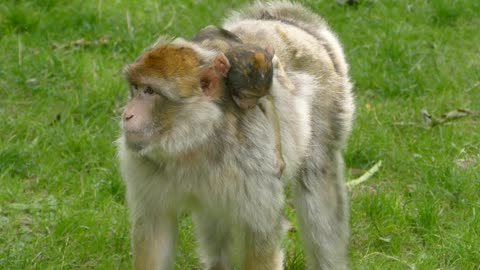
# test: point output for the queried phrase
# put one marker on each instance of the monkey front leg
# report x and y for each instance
(267, 106)
(214, 237)
(154, 240)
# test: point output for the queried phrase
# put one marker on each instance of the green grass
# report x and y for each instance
(61, 197)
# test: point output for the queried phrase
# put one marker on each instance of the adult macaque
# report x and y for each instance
(185, 146)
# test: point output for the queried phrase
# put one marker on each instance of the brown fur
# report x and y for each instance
(261, 64)
(167, 62)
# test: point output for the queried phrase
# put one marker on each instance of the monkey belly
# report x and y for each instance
(244, 196)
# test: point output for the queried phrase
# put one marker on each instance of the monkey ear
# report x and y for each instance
(210, 78)
(270, 50)
(221, 64)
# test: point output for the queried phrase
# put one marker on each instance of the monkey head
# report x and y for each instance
(251, 73)
(174, 86)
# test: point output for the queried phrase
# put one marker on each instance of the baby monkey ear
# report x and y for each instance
(270, 51)
(221, 64)
(211, 76)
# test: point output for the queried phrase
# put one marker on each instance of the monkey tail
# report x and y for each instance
(299, 16)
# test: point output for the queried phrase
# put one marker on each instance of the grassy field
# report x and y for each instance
(62, 200)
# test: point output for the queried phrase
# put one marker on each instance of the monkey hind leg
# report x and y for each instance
(263, 250)
(322, 209)
(214, 238)
(267, 106)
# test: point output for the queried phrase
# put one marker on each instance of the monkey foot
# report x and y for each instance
(279, 165)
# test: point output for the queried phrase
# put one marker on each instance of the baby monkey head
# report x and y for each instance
(173, 88)
(251, 73)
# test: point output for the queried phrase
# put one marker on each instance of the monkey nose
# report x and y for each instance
(127, 117)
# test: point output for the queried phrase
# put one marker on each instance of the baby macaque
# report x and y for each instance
(249, 78)
(250, 75)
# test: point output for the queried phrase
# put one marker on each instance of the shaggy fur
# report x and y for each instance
(217, 163)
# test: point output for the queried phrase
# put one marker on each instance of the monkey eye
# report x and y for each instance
(148, 91)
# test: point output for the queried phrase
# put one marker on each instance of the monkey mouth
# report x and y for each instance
(137, 140)
(140, 135)
(135, 136)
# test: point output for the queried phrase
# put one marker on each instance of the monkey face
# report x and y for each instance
(146, 117)
(172, 108)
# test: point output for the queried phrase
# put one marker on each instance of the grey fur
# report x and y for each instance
(231, 186)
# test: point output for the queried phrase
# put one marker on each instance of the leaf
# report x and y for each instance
(365, 176)
(431, 121)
